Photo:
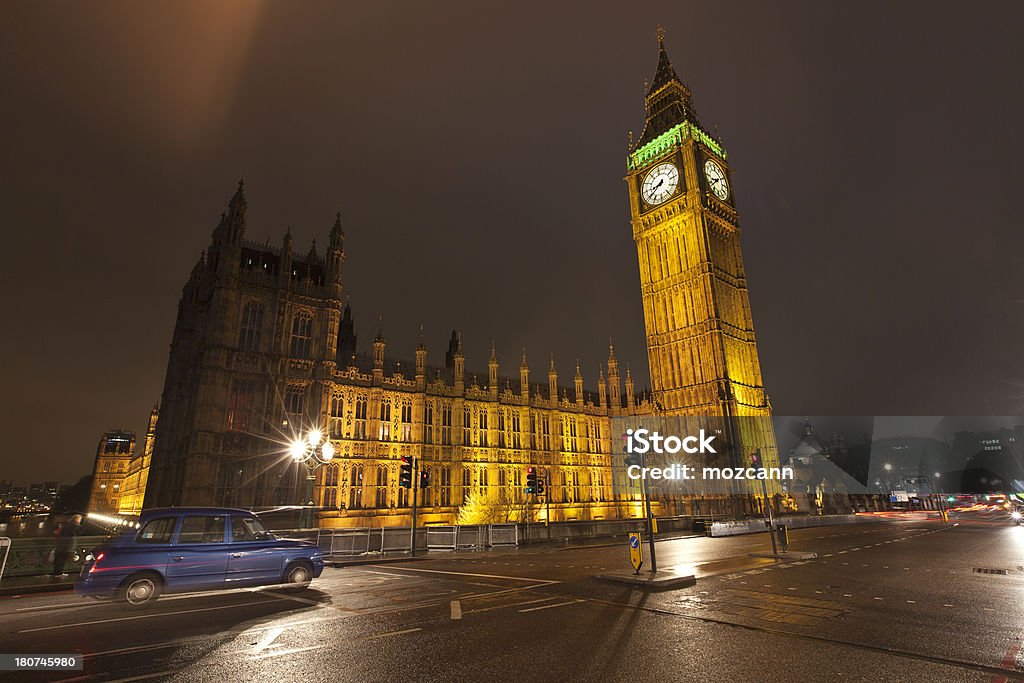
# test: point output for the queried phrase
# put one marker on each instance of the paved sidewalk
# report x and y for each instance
(21, 585)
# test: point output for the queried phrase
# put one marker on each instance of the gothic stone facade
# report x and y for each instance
(264, 349)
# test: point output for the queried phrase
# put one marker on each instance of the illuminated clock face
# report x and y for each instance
(716, 179)
(660, 183)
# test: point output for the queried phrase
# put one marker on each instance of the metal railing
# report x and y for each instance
(31, 556)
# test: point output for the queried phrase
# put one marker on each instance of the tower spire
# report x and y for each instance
(669, 101)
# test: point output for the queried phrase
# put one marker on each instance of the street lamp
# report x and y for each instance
(312, 451)
(888, 467)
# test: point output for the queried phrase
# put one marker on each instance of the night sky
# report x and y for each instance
(477, 154)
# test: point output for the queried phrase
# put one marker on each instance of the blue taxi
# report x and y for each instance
(195, 549)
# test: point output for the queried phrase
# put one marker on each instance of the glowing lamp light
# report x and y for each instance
(327, 451)
(888, 467)
(314, 438)
(297, 450)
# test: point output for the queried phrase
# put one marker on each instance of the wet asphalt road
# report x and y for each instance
(894, 599)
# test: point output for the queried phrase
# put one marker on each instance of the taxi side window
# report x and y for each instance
(247, 529)
(202, 529)
(157, 530)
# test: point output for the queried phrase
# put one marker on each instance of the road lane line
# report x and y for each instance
(390, 633)
(144, 677)
(146, 616)
(485, 576)
(558, 604)
(511, 604)
(456, 609)
(269, 638)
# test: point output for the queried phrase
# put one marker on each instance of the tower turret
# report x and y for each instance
(552, 381)
(524, 378)
(602, 388)
(421, 363)
(378, 353)
(285, 275)
(577, 383)
(630, 403)
(459, 363)
(492, 373)
(614, 388)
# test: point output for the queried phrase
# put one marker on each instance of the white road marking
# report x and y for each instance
(485, 576)
(391, 633)
(145, 616)
(289, 651)
(512, 604)
(269, 638)
(143, 677)
(557, 604)
(456, 609)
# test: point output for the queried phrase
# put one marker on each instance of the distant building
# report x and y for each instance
(35, 493)
(133, 486)
(113, 455)
(990, 460)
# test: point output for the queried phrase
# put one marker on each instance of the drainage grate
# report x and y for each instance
(985, 570)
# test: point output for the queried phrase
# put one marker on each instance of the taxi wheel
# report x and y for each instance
(140, 590)
(298, 575)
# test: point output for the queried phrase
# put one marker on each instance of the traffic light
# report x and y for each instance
(531, 480)
(755, 460)
(631, 458)
(424, 479)
(540, 487)
(405, 476)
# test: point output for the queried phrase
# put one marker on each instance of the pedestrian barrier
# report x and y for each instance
(5, 547)
(30, 556)
(503, 534)
(442, 537)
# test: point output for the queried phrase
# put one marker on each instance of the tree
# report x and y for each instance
(504, 507)
(477, 509)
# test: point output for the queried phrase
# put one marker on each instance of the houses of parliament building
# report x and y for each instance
(264, 350)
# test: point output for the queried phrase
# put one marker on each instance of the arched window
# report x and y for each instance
(361, 417)
(446, 485)
(302, 336)
(251, 327)
(382, 486)
(355, 488)
(384, 431)
(337, 416)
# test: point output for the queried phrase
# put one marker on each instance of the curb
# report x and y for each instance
(786, 556)
(14, 591)
(341, 564)
(667, 580)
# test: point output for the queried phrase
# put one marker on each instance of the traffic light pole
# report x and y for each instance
(650, 517)
(415, 495)
(547, 503)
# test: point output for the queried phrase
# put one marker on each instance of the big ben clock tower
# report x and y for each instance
(700, 334)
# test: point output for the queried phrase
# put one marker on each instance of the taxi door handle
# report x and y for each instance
(236, 554)
(178, 558)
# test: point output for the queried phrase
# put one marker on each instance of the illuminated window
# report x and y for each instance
(251, 327)
(240, 406)
(302, 336)
(360, 418)
(385, 421)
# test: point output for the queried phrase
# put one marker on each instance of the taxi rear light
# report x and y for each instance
(96, 561)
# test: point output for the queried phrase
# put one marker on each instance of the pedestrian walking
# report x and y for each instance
(66, 542)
